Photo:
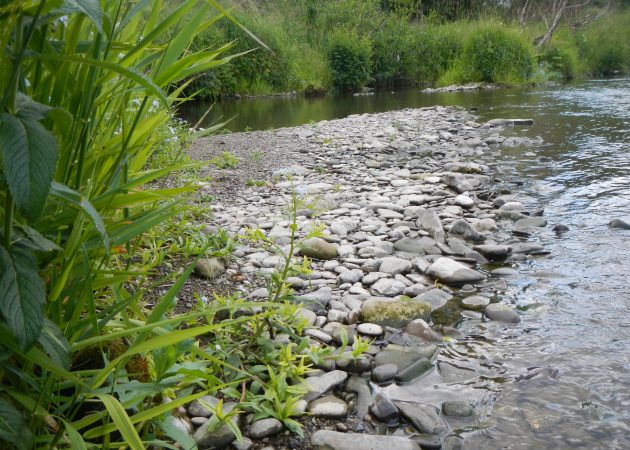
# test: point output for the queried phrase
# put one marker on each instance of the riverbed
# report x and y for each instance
(561, 377)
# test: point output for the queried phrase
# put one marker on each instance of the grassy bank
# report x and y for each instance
(347, 44)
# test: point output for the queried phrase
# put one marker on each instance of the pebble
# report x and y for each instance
(501, 313)
(329, 407)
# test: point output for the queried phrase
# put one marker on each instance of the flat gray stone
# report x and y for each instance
(424, 418)
(393, 265)
(370, 329)
(457, 409)
(475, 302)
(619, 223)
(334, 440)
(383, 408)
(530, 222)
(384, 373)
(329, 406)
(318, 386)
(452, 272)
(501, 313)
(387, 287)
(493, 251)
(466, 231)
(265, 427)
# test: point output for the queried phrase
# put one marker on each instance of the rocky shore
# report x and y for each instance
(418, 240)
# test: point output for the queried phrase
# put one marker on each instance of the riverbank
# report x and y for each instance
(416, 239)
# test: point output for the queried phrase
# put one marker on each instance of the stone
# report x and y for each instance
(493, 251)
(319, 335)
(504, 272)
(434, 297)
(422, 246)
(619, 223)
(384, 373)
(330, 407)
(207, 437)
(526, 247)
(424, 418)
(265, 427)
(393, 265)
(307, 315)
(421, 329)
(464, 201)
(315, 300)
(360, 386)
(387, 287)
(370, 329)
(334, 440)
(560, 228)
(392, 312)
(318, 386)
(197, 409)
(318, 248)
(209, 268)
(530, 222)
(430, 222)
(421, 264)
(475, 302)
(403, 357)
(389, 214)
(383, 408)
(466, 230)
(501, 313)
(415, 370)
(245, 444)
(452, 443)
(457, 409)
(452, 272)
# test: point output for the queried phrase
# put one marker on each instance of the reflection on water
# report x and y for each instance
(561, 378)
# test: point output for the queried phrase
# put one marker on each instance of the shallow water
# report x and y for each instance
(561, 377)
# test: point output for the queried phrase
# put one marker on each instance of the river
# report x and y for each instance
(561, 377)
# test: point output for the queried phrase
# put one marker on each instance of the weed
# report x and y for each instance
(255, 183)
(225, 161)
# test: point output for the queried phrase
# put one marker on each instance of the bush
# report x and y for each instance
(494, 54)
(561, 60)
(434, 51)
(349, 58)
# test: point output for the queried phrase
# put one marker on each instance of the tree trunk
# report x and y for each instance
(560, 8)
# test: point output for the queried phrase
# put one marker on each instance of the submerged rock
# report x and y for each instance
(501, 313)
(620, 223)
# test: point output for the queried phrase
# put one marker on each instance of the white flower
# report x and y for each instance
(63, 19)
(217, 347)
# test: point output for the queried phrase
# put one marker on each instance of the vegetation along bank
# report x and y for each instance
(315, 47)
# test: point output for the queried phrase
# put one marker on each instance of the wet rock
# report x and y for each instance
(383, 408)
(452, 272)
(427, 441)
(392, 312)
(265, 427)
(321, 384)
(452, 443)
(501, 313)
(209, 268)
(403, 357)
(333, 440)
(360, 387)
(424, 418)
(475, 302)
(504, 272)
(318, 248)
(329, 407)
(526, 247)
(434, 297)
(620, 223)
(560, 228)
(384, 373)
(415, 370)
(530, 222)
(422, 330)
(457, 409)
(493, 251)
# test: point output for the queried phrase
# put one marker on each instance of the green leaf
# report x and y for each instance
(122, 422)
(55, 344)
(29, 155)
(29, 238)
(82, 204)
(13, 428)
(27, 108)
(172, 431)
(74, 438)
(91, 8)
(23, 295)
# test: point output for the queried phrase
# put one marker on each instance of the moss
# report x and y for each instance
(394, 313)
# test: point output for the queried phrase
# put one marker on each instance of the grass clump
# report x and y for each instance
(349, 57)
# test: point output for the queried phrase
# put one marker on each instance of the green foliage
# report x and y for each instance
(434, 50)
(349, 57)
(493, 54)
(225, 160)
(560, 59)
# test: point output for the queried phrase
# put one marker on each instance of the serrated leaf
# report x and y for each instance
(82, 204)
(55, 344)
(91, 8)
(29, 155)
(27, 108)
(13, 427)
(23, 295)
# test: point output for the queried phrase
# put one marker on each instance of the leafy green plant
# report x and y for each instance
(349, 58)
(225, 161)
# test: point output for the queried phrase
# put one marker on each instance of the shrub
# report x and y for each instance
(494, 54)
(349, 60)
(561, 60)
(434, 51)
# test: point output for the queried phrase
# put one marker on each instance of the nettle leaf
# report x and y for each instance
(55, 344)
(29, 155)
(23, 295)
(13, 426)
(91, 8)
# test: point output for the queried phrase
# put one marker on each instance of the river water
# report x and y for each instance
(561, 377)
